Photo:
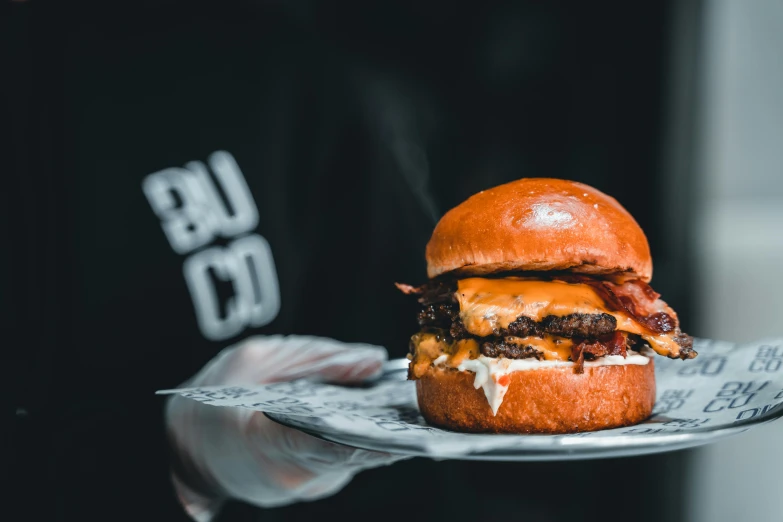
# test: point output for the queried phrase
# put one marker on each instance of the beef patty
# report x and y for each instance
(500, 348)
(446, 316)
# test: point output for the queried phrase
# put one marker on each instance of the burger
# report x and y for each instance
(538, 316)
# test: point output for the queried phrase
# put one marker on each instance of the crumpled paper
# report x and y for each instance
(727, 389)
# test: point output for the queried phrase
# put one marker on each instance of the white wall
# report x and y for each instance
(740, 239)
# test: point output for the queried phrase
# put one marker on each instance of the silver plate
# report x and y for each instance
(408, 433)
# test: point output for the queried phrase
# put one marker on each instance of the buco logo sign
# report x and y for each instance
(196, 208)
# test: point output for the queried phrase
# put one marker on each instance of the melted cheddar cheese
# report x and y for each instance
(553, 348)
(487, 305)
(429, 347)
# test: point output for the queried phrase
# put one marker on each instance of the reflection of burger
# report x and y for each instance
(538, 317)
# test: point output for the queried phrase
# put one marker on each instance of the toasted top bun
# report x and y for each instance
(539, 224)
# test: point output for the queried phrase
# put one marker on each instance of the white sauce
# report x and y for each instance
(489, 370)
(440, 360)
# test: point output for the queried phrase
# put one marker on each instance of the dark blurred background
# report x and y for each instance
(451, 99)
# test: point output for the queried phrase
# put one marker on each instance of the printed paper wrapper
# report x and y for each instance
(727, 389)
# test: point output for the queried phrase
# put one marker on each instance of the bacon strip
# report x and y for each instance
(636, 298)
(610, 344)
(409, 289)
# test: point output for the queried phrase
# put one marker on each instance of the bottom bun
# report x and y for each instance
(546, 400)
